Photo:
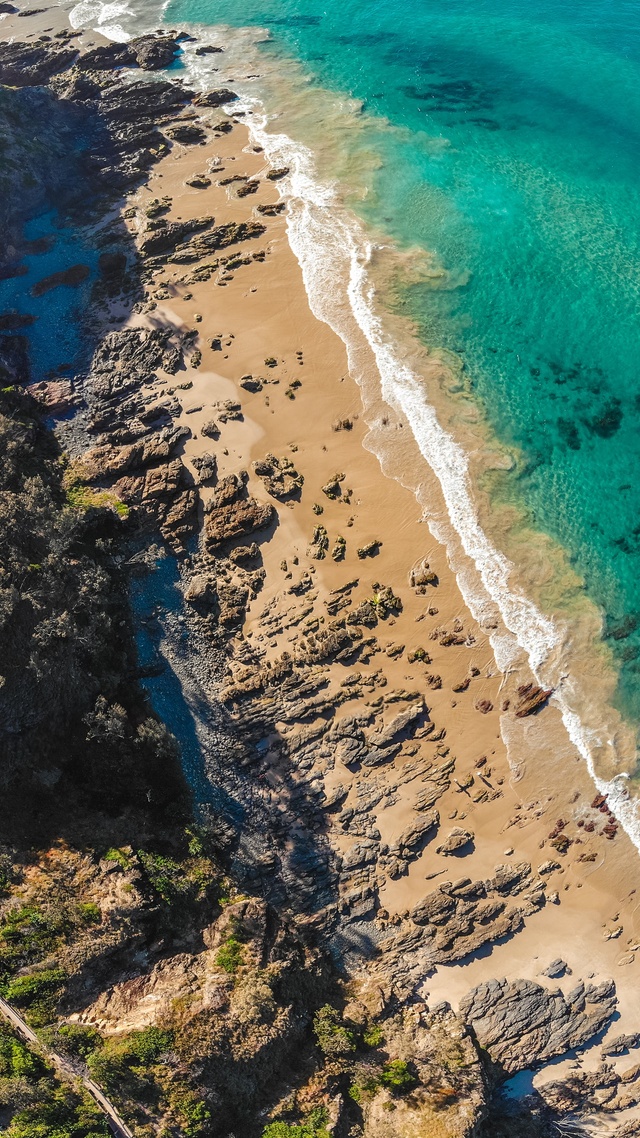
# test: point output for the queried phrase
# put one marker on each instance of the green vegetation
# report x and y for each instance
(82, 497)
(37, 1104)
(124, 1060)
(373, 1035)
(74, 1039)
(119, 856)
(333, 1037)
(89, 913)
(37, 994)
(395, 1076)
(313, 1126)
(230, 955)
(26, 936)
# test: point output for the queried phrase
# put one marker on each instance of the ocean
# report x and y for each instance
(466, 175)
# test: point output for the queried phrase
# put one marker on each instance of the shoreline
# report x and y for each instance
(527, 640)
(416, 687)
(247, 441)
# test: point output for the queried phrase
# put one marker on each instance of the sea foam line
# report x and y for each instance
(322, 236)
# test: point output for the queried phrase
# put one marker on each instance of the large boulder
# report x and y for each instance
(518, 1022)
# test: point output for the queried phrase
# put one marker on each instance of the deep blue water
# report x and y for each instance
(517, 161)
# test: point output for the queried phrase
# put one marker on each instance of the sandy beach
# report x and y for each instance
(512, 804)
(256, 343)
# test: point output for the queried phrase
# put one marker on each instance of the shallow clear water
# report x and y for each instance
(514, 157)
(55, 338)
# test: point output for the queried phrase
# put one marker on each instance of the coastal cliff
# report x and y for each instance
(221, 769)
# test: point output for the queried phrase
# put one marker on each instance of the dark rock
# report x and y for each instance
(371, 549)
(56, 395)
(249, 187)
(106, 58)
(172, 234)
(219, 238)
(13, 321)
(250, 383)
(113, 269)
(31, 65)
(14, 360)
(198, 182)
(456, 841)
(519, 1023)
(619, 1044)
(207, 467)
(210, 430)
(201, 590)
(531, 699)
(556, 969)
(280, 477)
(154, 53)
(189, 134)
(272, 209)
(236, 519)
(215, 98)
(70, 278)
(244, 553)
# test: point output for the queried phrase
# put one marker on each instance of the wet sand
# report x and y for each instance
(515, 800)
(512, 801)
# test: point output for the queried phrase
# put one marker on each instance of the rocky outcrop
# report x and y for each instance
(531, 699)
(165, 236)
(519, 1022)
(237, 519)
(605, 1090)
(216, 98)
(280, 477)
(456, 841)
(33, 65)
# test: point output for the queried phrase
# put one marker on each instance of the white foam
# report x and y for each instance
(97, 15)
(330, 244)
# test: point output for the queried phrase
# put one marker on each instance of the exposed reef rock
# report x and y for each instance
(519, 1022)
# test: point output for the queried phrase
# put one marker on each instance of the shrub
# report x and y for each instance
(128, 1057)
(16, 1060)
(119, 856)
(89, 913)
(230, 955)
(193, 1113)
(37, 994)
(58, 1112)
(26, 936)
(373, 1036)
(396, 1076)
(76, 1039)
(313, 1126)
(333, 1037)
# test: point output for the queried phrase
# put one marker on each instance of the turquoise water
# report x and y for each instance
(516, 161)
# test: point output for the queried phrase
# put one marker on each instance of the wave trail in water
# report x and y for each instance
(331, 245)
(324, 237)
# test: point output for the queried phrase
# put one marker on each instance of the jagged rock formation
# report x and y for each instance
(520, 1022)
(303, 762)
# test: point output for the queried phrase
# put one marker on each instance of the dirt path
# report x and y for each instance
(66, 1071)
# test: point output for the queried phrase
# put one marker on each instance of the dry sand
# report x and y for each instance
(260, 310)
